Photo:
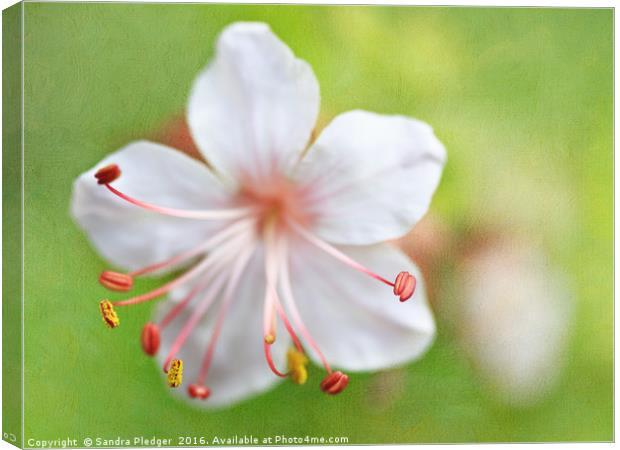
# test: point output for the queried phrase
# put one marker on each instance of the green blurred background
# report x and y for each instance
(522, 99)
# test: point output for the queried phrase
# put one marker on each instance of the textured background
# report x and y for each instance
(522, 98)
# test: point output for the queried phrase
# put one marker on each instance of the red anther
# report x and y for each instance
(399, 282)
(150, 339)
(198, 391)
(334, 383)
(404, 286)
(108, 174)
(116, 281)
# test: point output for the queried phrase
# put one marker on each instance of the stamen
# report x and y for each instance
(271, 298)
(199, 268)
(405, 293)
(166, 287)
(287, 324)
(269, 308)
(336, 253)
(272, 302)
(270, 363)
(297, 362)
(198, 391)
(287, 293)
(175, 373)
(233, 282)
(174, 312)
(208, 299)
(150, 339)
(334, 383)
(108, 174)
(150, 330)
(196, 316)
(116, 281)
(269, 322)
(110, 318)
(215, 214)
(236, 228)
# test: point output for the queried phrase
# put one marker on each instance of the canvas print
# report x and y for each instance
(306, 225)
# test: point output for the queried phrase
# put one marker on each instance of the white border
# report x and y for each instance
(477, 3)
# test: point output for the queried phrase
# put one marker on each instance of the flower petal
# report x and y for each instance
(357, 321)
(372, 176)
(254, 107)
(238, 369)
(131, 237)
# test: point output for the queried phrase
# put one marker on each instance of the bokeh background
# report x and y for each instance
(517, 248)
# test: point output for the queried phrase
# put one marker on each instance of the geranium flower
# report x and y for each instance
(514, 316)
(278, 245)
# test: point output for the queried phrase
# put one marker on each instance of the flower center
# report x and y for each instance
(272, 211)
(274, 202)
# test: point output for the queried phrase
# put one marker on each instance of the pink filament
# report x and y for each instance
(207, 301)
(287, 294)
(272, 301)
(174, 312)
(231, 286)
(335, 252)
(288, 326)
(270, 363)
(193, 320)
(270, 274)
(215, 240)
(221, 214)
(199, 268)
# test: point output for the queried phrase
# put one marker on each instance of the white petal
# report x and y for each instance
(357, 321)
(129, 236)
(373, 176)
(238, 368)
(255, 105)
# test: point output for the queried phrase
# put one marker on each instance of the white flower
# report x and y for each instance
(273, 236)
(514, 318)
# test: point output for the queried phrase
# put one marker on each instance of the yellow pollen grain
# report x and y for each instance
(175, 373)
(269, 339)
(109, 316)
(297, 362)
